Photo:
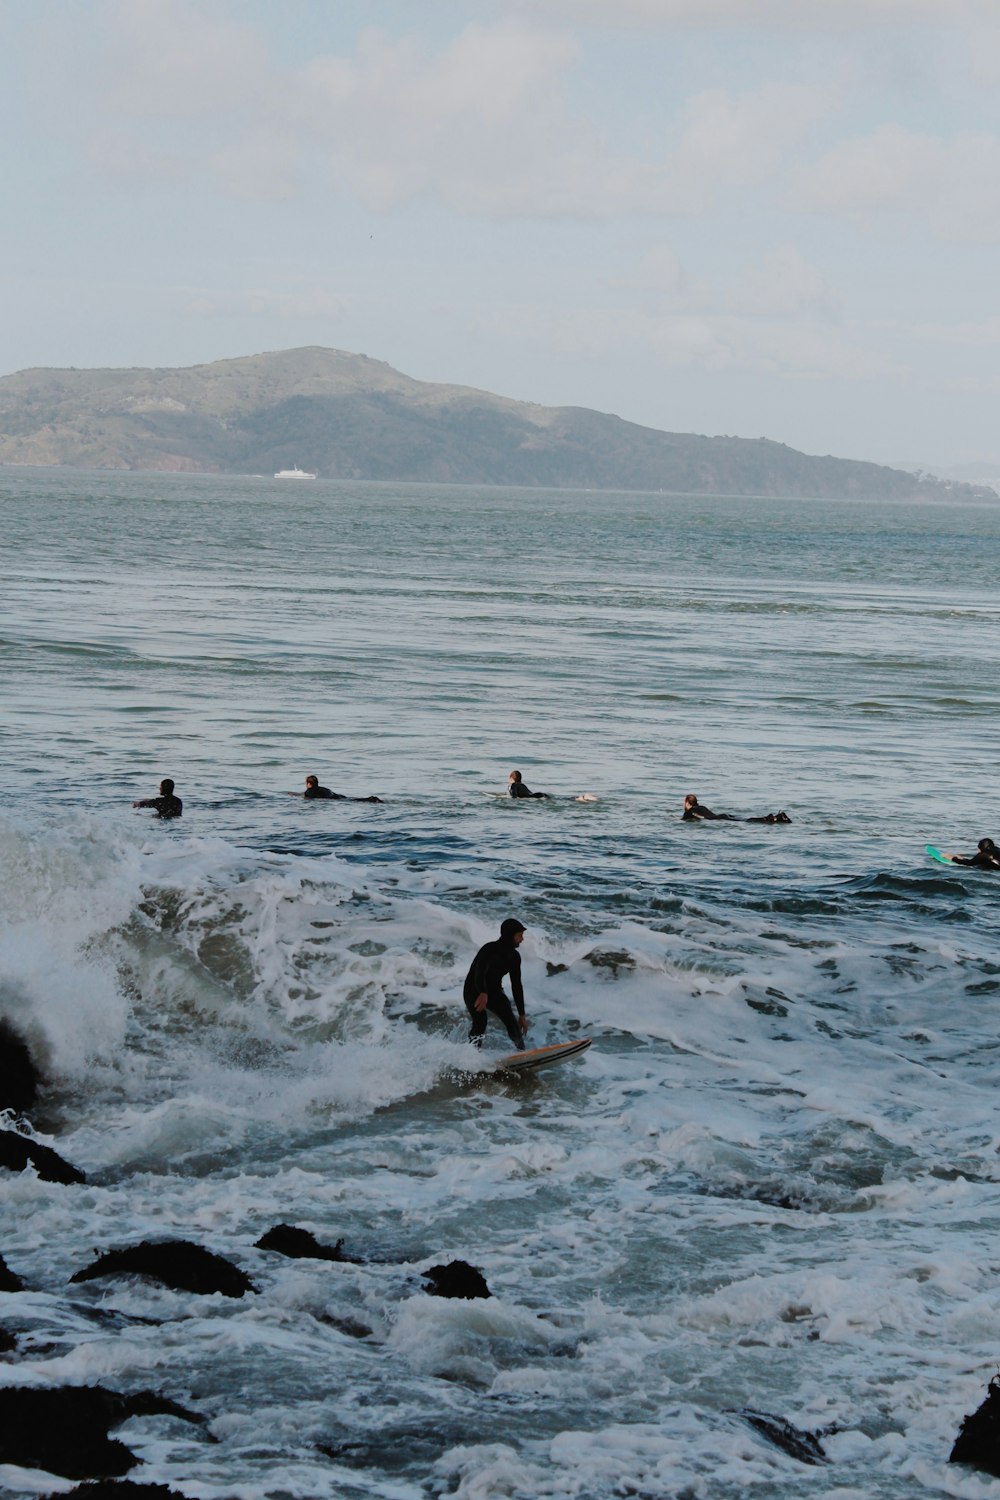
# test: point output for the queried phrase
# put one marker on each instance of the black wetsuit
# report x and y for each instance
(324, 793)
(698, 812)
(518, 789)
(978, 861)
(489, 967)
(166, 807)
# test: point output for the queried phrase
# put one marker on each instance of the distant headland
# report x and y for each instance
(345, 416)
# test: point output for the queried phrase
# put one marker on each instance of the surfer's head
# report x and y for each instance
(987, 846)
(690, 801)
(312, 781)
(512, 930)
(514, 776)
(166, 787)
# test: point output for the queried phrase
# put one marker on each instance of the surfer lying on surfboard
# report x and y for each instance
(695, 811)
(986, 857)
(516, 789)
(484, 991)
(314, 792)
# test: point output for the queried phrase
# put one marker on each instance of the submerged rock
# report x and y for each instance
(117, 1489)
(65, 1430)
(805, 1446)
(9, 1282)
(285, 1239)
(18, 1152)
(978, 1441)
(179, 1264)
(456, 1279)
(19, 1078)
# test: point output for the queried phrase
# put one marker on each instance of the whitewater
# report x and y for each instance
(770, 1186)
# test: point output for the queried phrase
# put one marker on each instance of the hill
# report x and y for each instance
(347, 416)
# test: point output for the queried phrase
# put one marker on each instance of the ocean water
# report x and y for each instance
(771, 1185)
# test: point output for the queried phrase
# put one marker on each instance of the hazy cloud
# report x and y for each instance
(483, 123)
(740, 139)
(953, 184)
(789, 15)
(799, 348)
(983, 333)
(308, 303)
(176, 59)
(781, 283)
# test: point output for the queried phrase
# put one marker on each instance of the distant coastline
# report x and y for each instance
(335, 415)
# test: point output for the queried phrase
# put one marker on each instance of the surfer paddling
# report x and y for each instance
(517, 788)
(484, 991)
(695, 811)
(167, 804)
(986, 857)
(315, 792)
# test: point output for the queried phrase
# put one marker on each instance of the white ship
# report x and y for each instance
(295, 473)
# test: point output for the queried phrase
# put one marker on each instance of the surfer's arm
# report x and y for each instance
(517, 989)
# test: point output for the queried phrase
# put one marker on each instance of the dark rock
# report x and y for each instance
(350, 1327)
(805, 1446)
(117, 1489)
(176, 1263)
(19, 1078)
(456, 1279)
(65, 1430)
(613, 959)
(391, 1449)
(8, 1281)
(8, 1342)
(551, 968)
(285, 1239)
(978, 1441)
(18, 1152)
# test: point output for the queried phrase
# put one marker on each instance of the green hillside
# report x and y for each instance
(348, 416)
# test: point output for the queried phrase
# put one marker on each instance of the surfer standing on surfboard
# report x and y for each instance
(484, 991)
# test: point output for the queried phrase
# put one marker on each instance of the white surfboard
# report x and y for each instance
(549, 797)
(542, 1057)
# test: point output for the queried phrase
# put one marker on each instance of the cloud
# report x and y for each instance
(176, 59)
(781, 283)
(774, 315)
(983, 333)
(799, 348)
(785, 15)
(306, 303)
(733, 139)
(482, 123)
(952, 183)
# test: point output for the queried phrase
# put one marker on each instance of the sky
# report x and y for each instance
(763, 218)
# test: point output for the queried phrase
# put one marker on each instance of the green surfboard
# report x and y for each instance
(942, 859)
